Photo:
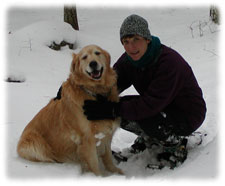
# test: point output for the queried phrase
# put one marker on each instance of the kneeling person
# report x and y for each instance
(170, 104)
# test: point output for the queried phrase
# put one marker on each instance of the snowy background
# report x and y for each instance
(42, 70)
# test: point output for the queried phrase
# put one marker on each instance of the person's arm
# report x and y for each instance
(123, 80)
(169, 79)
(160, 93)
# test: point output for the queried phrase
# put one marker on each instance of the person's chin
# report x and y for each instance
(135, 58)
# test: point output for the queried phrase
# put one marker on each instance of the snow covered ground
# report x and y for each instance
(42, 70)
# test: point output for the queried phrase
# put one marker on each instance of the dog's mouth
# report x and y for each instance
(95, 74)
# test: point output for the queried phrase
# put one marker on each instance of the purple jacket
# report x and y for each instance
(170, 81)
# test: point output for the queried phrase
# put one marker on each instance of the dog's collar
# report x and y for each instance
(94, 94)
(85, 90)
(88, 91)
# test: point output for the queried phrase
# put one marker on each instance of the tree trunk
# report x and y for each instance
(214, 14)
(70, 16)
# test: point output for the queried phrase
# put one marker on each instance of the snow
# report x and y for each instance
(98, 143)
(100, 135)
(42, 70)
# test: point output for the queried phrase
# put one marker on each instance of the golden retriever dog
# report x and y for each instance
(60, 132)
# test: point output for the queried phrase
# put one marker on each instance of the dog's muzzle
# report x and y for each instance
(94, 70)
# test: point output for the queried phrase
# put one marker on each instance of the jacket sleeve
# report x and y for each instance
(123, 80)
(167, 82)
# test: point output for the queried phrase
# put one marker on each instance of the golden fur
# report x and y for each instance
(60, 132)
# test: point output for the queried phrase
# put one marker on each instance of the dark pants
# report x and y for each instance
(164, 124)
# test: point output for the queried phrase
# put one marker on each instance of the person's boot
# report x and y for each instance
(170, 153)
(138, 146)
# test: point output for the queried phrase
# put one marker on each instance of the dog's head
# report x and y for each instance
(91, 66)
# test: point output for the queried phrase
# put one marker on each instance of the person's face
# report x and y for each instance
(135, 46)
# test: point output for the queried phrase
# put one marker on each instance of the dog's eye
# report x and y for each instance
(84, 57)
(97, 53)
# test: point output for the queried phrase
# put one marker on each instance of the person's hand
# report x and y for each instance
(101, 109)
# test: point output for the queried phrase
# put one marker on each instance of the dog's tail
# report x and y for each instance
(33, 147)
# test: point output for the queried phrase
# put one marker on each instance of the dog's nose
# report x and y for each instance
(93, 64)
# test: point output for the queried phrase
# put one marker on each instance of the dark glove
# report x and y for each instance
(101, 109)
(58, 94)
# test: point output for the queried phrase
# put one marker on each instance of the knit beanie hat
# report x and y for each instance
(133, 25)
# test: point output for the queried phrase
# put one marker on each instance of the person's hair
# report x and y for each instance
(130, 36)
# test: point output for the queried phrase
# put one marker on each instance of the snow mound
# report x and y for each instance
(44, 32)
(29, 51)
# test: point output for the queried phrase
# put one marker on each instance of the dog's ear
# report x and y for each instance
(72, 68)
(74, 55)
(107, 55)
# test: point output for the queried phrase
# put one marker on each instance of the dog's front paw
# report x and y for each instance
(118, 170)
